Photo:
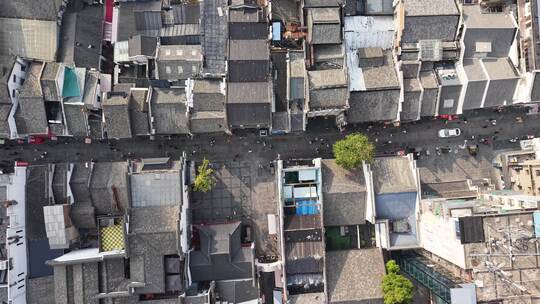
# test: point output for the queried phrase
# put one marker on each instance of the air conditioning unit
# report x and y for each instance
(4, 265)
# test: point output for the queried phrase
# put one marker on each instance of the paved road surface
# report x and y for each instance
(315, 142)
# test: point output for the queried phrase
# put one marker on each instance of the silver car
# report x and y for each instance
(453, 132)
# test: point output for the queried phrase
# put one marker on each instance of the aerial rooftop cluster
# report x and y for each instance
(127, 69)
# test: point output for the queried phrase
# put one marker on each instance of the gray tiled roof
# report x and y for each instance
(393, 175)
(324, 25)
(355, 275)
(410, 107)
(34, 39)
(280, 121)
(240, 291)
(76, 120)
(182, 14)
(328, 89)
(208, 95)
(141, 17)
(80, 30)
(248, 50)
(51, 71)
(138, 112)
(344, 194)
(30, 117)
(117, 118)
(323, 3)
(248, 92)
(214, 36)
(178, 61)
(248, 71)
(221, 256)
(90, 88)
(104, 177)
(6, 65)
(431, 8)
(142, 45)
(381, 77)
(168, 106)
(249, 115)
(207, 122)
(30, 9)
(373, 106)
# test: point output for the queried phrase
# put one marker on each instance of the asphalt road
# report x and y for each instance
(316, 142)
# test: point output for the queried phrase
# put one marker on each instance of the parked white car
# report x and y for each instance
(445, 133)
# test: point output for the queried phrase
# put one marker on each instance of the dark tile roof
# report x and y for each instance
(83, 215)
(432, 8)
(182, 14)
(30, 9)
(90, 88)
(139, 18)
(168, 106)
(208, 95)
(149, 243)
(80, 182)
(248, 50)
(323, 3)
(178, 61)
(239, 291)
(373, 106)
(249, 71)
(248, 31)
(207, 122)
(76, 120)
(221, 256)
(280, 121)
(328, 89)
(6, 65)
(248, 92)
(30, 117)
(355, 275)
(36, 197)
(344, 194)
(142, 45)
(39, 290)
(117, 118)
(138, 112)
(214, 36)
(81, 34)
(410, 107)
(249, 115)
(104, 177)
(29, 38)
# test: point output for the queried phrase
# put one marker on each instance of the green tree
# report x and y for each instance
(352, 150)
(204, 181)
(396, 288)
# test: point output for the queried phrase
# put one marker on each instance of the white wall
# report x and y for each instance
(19, 74)
(438, 235)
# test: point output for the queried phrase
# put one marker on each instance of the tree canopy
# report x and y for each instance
(204, 181)
(352, 150)
(396, 288)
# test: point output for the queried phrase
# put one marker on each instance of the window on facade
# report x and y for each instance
(13, 93)
(23, 68)
(448, 103)
(180, 69)
(168, 69)
(21, 81)
(537, 172)
(179, 52)
(14, 78)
